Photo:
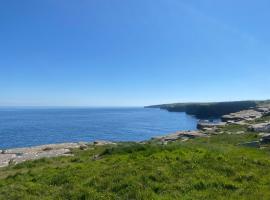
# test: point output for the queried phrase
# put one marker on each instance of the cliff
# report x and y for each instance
(210, 110)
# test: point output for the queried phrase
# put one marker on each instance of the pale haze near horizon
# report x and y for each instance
(133, 53)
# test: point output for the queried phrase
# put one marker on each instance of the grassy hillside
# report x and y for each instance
(210, 110)
(205, 168)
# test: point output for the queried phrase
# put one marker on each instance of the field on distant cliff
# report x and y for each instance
(205, 168)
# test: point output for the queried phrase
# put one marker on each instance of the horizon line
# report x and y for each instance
(124, 106)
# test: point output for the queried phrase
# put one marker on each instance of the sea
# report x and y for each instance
(32, 126)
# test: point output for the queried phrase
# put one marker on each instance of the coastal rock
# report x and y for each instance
(96, 157)
(102, 142)
(245, 115)
(38, 155)
(42, 148)
(5, 159)
(180, 135)
(265, 138)
(18, 155)
(264, 110)
(240, 132)
(262, 127)
(210, 130)
(238, 122)
(207, 124)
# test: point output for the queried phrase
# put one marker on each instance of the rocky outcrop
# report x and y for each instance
(264, 110)
(180, 135)
(265, 138)
(19, 155)
(43, 148)
(206, 125)
(245, 115)
(261, 127)
(5, 159)
(102, 142)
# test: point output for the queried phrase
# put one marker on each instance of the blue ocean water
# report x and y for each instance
(21, 127)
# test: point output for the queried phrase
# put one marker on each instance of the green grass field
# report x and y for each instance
(206, 168)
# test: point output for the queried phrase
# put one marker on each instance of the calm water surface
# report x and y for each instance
(20, 127)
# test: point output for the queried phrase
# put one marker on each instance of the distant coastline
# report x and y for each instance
(210, 110)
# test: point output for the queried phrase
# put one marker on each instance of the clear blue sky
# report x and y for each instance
(133, 52)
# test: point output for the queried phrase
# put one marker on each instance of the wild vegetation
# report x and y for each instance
(205, 168)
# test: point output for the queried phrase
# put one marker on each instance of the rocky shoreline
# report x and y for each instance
(205, 129)
(243, 117)
(19, 155)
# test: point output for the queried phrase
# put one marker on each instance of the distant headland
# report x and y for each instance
(210, 110)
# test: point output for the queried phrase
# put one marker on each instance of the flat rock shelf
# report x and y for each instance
(18, 155)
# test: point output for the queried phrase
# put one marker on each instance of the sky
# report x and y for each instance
(133, 52)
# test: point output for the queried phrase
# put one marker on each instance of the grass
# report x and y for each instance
(205, 168)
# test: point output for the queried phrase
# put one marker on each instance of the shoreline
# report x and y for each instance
(19, 155)
(205, 129)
